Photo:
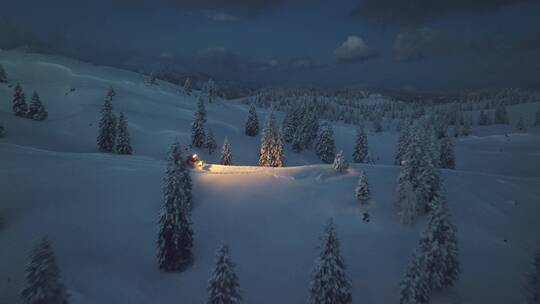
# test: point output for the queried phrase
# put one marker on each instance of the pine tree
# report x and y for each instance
(20, 108)
(360, 152)
(325, 146)
(187, 87)
(447, 158)
(533, 288)
(418, 170)
(3, 75)
(291, 124)
(43, 280)
(403, 142)
(309, 129)
(340, 163)
(226, 154)
(211, 144)
(438, 247)
(175, 238)
(520, 126)
(223, 286)
(197, 127)
(330, 283)
(362, 192)
(107, 127)
(414, 287)
(123, 141)
(36, 110)
(252, 123)
(272, 153)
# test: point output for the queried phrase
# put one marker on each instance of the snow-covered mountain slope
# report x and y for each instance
(100, 210)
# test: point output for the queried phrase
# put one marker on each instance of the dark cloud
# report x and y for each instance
(415, 44)
(416, 12)
(353, 50)
(248, 7)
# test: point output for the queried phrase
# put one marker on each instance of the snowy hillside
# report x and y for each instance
(100, 210)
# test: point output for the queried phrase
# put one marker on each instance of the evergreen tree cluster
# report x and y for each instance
(419, 173)
(325, 147)
(35, 110)
(360, 152)
(272, 152)
(198, 134)
(113, 133)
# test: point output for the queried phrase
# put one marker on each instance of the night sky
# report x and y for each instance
(417, 44)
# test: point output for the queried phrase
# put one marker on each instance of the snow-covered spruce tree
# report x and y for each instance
(360, 152)
(324, 146)
(272, 153)
(188, 87)
(226, 154)
(520, 125)
(447, 158)
(533, 288)
(252, 123)
(223, 286)
(36, 110)
(501, 116)
(309, 129)
(537, 118)
(123, 140)
(198, 135)
(438, 247)
(330, 283)
(291, 124)
(107, 127)
(340, 163)
(20, 108)
(362, 192)
(418, 170)
(2, 130)
(175, 238)
(211, 144)
(414, 287)
(403, 142)
(3, 75)
(43, 280)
